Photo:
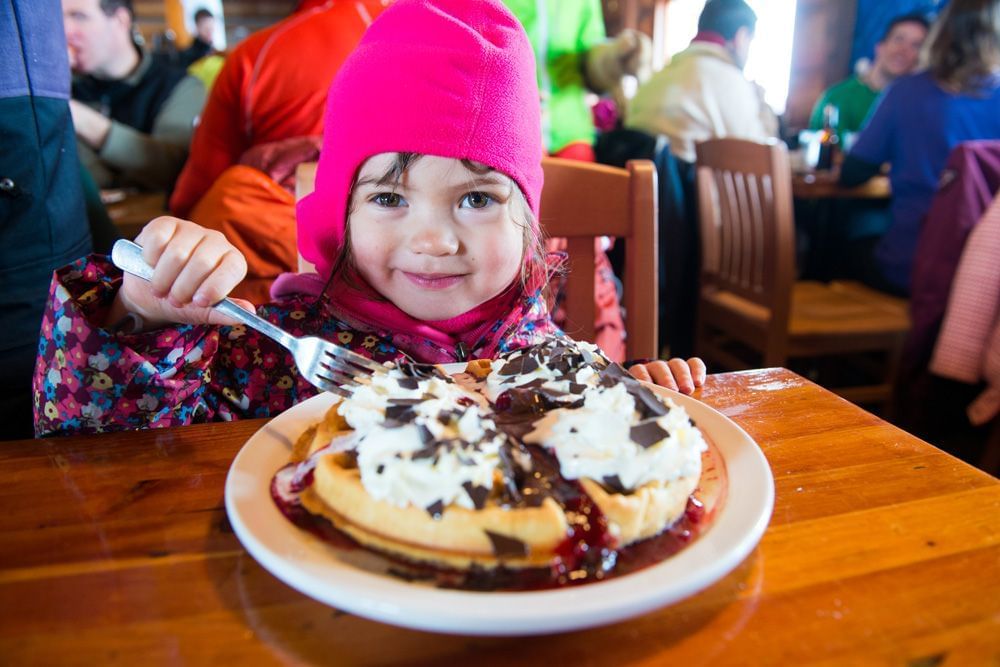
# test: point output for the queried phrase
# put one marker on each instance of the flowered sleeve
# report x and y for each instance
(92, 379)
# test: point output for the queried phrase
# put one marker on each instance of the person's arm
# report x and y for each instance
(874, 145)
(855, 171)
(154, 160)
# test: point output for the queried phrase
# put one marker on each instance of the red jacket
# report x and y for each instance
(272, 87)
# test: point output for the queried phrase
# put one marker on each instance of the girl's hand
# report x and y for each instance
(677, 374)
(193, 268)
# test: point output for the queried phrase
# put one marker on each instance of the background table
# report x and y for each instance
(882, 550)
(824, 185)
(130, 211)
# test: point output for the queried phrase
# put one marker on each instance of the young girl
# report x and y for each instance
(422, 227)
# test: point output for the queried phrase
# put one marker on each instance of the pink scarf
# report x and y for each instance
(474, 334)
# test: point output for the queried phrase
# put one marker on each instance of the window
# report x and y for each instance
(769, 63)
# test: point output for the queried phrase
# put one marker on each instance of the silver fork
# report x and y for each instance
(324, 364)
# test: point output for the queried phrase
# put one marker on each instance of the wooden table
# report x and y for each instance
(132, 211)
(824, 185)
(115, 549)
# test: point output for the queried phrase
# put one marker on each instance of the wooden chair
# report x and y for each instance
(580, 201)
(583, 200)
(749, 297)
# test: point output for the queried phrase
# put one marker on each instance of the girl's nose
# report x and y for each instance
(434, 237)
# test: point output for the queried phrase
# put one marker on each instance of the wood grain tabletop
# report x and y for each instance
(882, 550)
(825, 185)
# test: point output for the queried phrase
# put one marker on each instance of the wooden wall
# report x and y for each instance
(821, 53)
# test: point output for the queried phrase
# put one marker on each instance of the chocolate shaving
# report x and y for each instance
(529, 365)
(424, 453)
(648, 404)
(512, 367)
(613, 374)
(380, 469)
(424, 433)
(505, 547)
(436, 509)
(477, 494)
(408, 383)
(397, 411)
(614, 483)
(647, 433)
(509, 470)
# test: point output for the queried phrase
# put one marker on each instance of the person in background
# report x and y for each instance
(423, 228)
(896, 54)
(917, 122)
(263, 117)
(133, 115)
(43, 224)
(574, 57)
(702, 93)
(201, 45)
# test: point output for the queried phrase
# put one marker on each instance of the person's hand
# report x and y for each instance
(678, 374)
(91, 127)
(193, 268)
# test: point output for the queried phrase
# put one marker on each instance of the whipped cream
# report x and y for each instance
(422, 441)
(556, 365)
(607, 440)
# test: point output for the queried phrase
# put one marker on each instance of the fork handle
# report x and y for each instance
(127, 256)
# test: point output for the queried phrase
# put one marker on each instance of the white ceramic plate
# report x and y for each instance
(337, 577)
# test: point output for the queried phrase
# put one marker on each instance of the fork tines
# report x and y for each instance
(341, 355)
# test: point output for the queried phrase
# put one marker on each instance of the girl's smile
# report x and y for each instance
(438, 239)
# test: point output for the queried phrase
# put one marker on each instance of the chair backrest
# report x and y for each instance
(581, 201)
(747, 228)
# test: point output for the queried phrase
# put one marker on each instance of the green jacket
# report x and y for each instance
(561, 33)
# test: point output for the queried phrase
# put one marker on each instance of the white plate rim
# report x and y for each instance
(300, 560)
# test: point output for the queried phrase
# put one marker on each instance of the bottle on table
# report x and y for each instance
(829, 145)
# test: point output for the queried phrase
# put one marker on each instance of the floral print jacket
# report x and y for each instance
(90, 379)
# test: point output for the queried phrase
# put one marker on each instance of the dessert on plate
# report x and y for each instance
(549, 458)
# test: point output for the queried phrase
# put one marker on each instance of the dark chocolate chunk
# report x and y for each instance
(612, 375)
(507, 547)
(614, 483)
(648, 404)
(424, 433)
(436, 509)
(380, 469)
(529, 365)
(397, 411)
(424, 453)
(477, 494)
(512, 367)
(409, 383)
(647, 433)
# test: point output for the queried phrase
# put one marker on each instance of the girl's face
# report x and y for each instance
(439, 242)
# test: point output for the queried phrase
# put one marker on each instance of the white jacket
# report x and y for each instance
(701, 95)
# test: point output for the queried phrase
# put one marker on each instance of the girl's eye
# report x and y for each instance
(476, 200)
(388, 199)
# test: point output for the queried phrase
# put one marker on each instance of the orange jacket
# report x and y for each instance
(272, 87)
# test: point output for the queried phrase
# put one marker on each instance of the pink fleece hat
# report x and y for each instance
(452, 78)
